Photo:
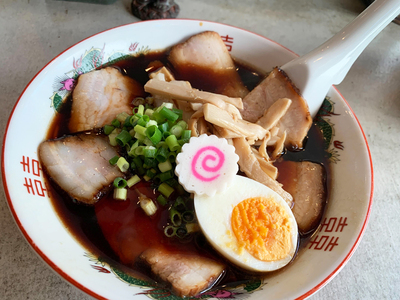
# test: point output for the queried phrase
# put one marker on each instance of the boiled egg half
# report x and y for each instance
(249, 224)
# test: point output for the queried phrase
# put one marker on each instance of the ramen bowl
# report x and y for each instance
(319, 260)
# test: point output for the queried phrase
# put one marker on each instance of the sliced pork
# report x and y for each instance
(305, 181)
(206, 53)
(99, 96)
(188, 274)
(79, 165)
(296, 121)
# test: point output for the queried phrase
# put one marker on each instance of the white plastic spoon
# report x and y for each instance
(314, 73)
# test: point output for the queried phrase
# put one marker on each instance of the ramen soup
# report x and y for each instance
(160, 235)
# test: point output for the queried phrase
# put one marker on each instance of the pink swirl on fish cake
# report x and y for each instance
(221, 160)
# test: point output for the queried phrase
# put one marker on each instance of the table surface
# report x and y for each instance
(32, 32)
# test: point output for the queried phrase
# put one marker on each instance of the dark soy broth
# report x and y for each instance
(118, 231)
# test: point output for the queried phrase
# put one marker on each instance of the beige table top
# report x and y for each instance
(32, 32)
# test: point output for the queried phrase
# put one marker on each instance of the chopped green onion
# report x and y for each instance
(133, 120)
(149, 163)
(132, 149)
(168, 105)
(123, 138)
(165, 176)
(140, 109)
(149, 112)
(188, 216)
(151, 123)
(151, 173)
(186, 134)
(119, 183)
(122, 117)
(116, 123)
(143, 120)
(172, 143)
(154, 134)
(181, 232)
(140, 129)
(138, 165)
(161, 200)
(157, 117)
(165, 166)
(114, 160)
(165, 189)
(139, 150)
(139, 137)
(169, 231)
(122, 164)
(147, 178)
(148, 206)
(166, 134)
(164, 127)
(120, 194)
(162, 154)
(176, 130)
(172, 182)
(108, 129)
(175, 217)
(180, 203)
(149, 151)
(132, 181)
(168, 114)
(178, 112)
(147, 142)
(172, 156)
(111, 139)
(182, 124)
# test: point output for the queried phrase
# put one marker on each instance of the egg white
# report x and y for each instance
(214, 216)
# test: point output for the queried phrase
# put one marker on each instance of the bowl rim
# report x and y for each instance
(88, 291)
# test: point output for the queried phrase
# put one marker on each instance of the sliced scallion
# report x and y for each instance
(175, 217)
(154, 134)
(108, 129)
(123, 138)
(161, 200)
(140, 129)
(116, 123)
(120, 194)
(165, 189)
(165, 166)
(188, 216)
(132, 181)
(149, 151)
(168, 114)
(119, 183)
(169, 231)
(172, 143)
(114, 160)
(122, 164)
(176, 130)
(148, 206)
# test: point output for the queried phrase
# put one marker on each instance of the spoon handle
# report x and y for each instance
(314, 73)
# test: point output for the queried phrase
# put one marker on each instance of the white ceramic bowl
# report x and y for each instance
(323, 257)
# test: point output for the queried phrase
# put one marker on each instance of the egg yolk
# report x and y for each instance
(262, 227)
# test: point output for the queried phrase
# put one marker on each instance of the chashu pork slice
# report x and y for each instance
(305, 181)
(206, 53)
(188, 274)
(99, 96)
(79, 165)
(296, 121)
